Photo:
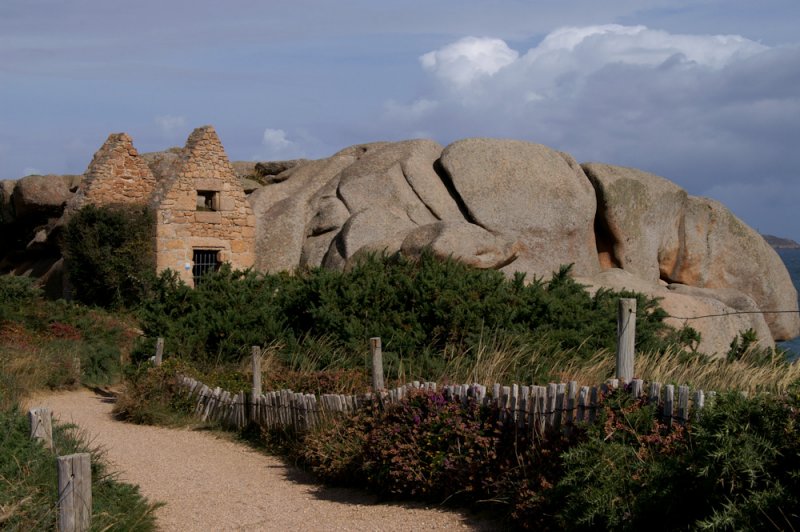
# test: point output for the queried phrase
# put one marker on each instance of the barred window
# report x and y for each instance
(205, 260)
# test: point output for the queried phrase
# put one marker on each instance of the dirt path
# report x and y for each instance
(210, 483)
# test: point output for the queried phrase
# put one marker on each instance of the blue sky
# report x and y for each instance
(705, 93)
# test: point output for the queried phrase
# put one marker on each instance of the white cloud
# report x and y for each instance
(679, 105)
(468, 59)
(710, 112)
(275, 139)
(277, 145)
(170, 125)
(561, 64)
(593, 46)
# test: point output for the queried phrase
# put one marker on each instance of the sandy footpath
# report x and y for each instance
(210, 483)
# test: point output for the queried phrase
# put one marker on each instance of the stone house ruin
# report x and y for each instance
(203, 217)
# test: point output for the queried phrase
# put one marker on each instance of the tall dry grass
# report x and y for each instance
(27, 368)
(500, 361)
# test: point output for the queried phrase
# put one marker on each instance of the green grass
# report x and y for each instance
(46, 346)
(28, 481)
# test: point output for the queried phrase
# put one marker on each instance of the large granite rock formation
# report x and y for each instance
(502, 204)
(653, 229)
(518, 206)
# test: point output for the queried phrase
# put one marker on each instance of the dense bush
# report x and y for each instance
(419, 309)
(16, 294)
(55, 344)
(110, 254)
(735, 468)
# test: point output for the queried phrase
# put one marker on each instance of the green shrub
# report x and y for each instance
(153, 396)
(736, 468)
(110, 254)
(57, 345)
(219, 320)
(16, 294)
(420, 309)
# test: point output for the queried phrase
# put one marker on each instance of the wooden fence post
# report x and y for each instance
(159, 351)
(256, 361)
(74, 492)
(256, 392)
(377, 364)
(42, 426)
(626, 336)
(76, 368)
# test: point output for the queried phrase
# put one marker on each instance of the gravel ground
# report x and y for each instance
(210, 483)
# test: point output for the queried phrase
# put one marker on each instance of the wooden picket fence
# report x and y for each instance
(527, 407)
(557, 405)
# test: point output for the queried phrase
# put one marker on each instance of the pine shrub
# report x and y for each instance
(420, 309)
(110, 254)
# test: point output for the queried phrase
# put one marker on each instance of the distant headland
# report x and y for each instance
(781, 243)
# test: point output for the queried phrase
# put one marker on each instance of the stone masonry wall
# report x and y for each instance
(182, 226)
(116, 175)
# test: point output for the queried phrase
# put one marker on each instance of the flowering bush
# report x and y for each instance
(431, 448)
(737, 467)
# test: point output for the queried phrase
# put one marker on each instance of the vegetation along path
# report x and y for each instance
(211, 483)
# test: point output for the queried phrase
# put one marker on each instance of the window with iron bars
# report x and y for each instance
(205, 260)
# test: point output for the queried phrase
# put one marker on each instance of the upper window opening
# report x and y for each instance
(207, 200)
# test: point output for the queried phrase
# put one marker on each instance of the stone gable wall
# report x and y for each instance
(182, 228)
(116, 175)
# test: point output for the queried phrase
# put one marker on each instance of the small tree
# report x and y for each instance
(110, 254)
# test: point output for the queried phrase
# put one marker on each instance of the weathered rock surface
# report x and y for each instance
(638, 218)
(267, 172)
(6, 206)
(466, 242)
(682, 302)
(249, 186)
(719, 251)
(279, 236)
(163, 164)
(529, 192)
(652, 228)
(44, 195)
(244, 169)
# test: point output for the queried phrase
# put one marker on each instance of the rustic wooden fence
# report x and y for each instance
(528, 407)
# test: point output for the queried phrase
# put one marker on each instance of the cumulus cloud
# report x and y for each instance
(468, 59)
(701, 110)
(170, 125)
